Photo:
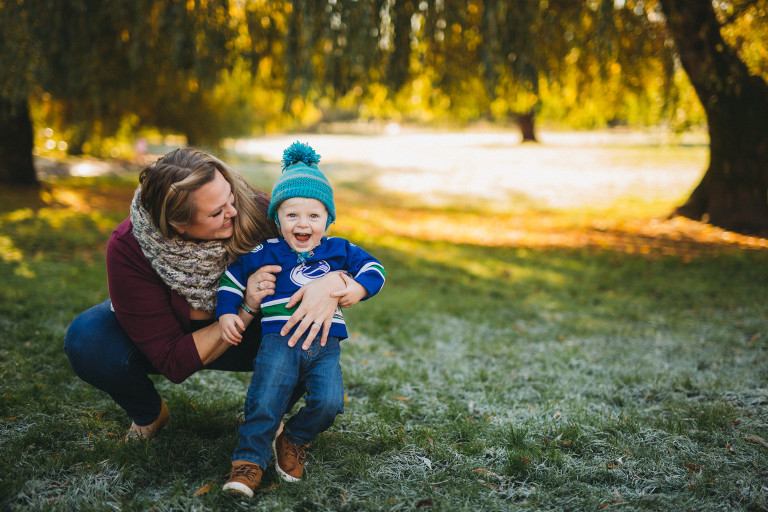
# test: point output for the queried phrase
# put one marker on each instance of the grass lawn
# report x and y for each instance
(534, 359)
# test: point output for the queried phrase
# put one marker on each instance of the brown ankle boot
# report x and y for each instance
(289, 458)
(244, 478)
(137, 432)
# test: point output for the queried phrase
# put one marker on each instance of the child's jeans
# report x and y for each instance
(277, 372)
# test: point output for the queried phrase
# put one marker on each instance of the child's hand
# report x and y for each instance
(231, 326)
(352, 294)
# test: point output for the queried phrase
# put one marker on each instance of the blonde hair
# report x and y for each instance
(166, 193)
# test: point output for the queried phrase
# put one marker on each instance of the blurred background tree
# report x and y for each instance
(96, 74)
(94, 69)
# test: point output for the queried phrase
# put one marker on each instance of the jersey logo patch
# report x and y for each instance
(303, 274)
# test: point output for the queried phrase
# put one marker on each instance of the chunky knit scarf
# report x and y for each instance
(191, 268)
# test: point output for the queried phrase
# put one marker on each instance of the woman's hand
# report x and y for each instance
(315, 311)
(352, 294)
(260, 284)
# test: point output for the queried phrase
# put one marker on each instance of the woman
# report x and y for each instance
(191, 216)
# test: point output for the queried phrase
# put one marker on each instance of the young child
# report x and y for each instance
(302, 206)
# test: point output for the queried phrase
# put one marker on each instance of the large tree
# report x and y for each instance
(626, 42)
(158, 60)
(733, 193)
(16, 135)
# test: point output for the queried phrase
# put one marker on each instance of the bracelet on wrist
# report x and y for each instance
(248, 310)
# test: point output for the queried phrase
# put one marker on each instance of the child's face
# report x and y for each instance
(302, 222)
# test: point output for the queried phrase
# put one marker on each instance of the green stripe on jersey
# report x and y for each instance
(228, 281)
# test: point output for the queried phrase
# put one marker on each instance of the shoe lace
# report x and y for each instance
(295, 450)
(247, 471)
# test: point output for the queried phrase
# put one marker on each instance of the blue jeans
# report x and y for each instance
(279, 371)
(101, 354)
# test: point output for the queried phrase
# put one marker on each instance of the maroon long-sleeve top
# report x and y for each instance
(155, 317)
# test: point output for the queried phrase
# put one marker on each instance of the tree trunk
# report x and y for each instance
(16, 144)
(733, 194)
(399, 61)
(526, 123)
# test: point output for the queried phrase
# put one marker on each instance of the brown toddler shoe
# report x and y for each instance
(289, 458)
(244, 478)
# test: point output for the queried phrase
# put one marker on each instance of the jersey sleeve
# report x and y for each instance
(365, 269)
(234, 281)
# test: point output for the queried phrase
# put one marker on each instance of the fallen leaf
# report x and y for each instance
(487, 472)
(756, 439)
(426, 461)
(204, 489)
(693, 467)
(401, 398)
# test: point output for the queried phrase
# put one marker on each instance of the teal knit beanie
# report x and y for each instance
(302, 178)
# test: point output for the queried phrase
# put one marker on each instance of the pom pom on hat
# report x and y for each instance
(298, 152)
(302, 178)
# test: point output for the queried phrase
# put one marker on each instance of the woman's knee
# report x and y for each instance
(77, 337)
(95, 343)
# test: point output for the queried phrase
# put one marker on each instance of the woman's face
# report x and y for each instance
(213, 220)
